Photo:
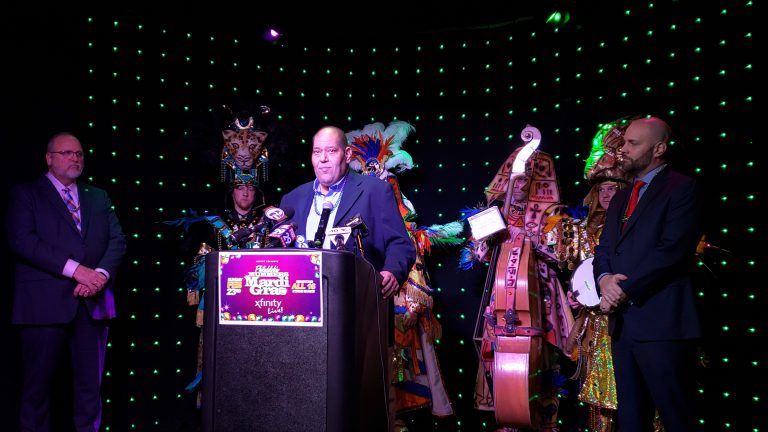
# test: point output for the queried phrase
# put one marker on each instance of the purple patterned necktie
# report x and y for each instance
(73, 208)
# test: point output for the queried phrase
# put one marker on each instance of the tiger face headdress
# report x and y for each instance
(244, 156)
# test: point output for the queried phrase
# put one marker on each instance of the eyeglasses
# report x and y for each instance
(69, 153)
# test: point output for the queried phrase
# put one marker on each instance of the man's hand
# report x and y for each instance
(605, 307)
(610, 290)
(83, 291)
(389, 285)
(90, 278)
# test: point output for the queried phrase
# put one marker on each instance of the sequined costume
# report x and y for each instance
(591, 345)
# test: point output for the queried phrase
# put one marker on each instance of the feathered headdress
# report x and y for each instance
(376, 149)
(440, 236)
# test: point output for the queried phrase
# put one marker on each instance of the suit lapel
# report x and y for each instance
(55, 200)
(352, 191)
(657, 184)
(624, 198)
(301, 212)
(86, 206)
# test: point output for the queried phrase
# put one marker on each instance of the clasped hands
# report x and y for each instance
(612, 294)
(89, 281)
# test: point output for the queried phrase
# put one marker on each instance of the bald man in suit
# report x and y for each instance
(643, 265)
(68, 245)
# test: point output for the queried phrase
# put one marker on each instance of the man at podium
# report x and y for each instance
(337, 194)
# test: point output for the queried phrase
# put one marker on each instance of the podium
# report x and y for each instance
(296, 355)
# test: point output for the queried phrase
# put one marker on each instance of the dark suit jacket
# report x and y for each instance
(656, 252)
(43, 236)
(387, 246)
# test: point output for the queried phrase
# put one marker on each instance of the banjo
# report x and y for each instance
(583, 284)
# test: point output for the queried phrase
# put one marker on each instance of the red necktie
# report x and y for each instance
(632, 201)
(73, 208)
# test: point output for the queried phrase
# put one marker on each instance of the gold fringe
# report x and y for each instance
(417, 296)
(572, 348)
(433, 328)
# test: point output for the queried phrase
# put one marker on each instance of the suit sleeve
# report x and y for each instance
(116, 247)
(601, 263)
(24, 237)
(680, 232)
(399, 253)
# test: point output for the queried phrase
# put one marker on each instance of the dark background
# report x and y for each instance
(143, 88)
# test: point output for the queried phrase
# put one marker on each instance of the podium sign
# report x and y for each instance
(280, 290)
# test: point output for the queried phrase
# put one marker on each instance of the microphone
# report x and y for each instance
(242, 234)
(277, 215)
(320, 233)
(301, 242)
(272, 215)
(282, 236)
(359, 229)
(340, 236)
(356, 223)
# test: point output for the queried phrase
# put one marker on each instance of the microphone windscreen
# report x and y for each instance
(328, 205)
(283, 236)
(275, 214)
(289, 212)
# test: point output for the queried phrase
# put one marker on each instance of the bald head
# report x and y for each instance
(645, 146)
(656, 128)
(331, 134)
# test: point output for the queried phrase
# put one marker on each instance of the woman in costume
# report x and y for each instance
(589, 342)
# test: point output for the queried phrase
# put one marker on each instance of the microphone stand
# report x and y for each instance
(263, 237)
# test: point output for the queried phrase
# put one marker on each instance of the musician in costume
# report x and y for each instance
(575, 241)
(525, 319)
(417, 379)
(243, 168)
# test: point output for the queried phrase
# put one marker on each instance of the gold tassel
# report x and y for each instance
(576, 335)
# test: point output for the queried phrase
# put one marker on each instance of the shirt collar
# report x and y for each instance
(649, 177)
(60, 186)
(336, 187)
